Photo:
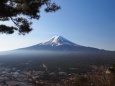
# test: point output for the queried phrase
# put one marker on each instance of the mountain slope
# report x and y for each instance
(59, 43)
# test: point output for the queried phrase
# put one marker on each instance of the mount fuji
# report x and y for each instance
(58, 52)
(59, 43)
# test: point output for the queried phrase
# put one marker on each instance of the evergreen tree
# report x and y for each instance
(16, 10)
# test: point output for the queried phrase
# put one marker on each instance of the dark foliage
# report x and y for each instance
(15, 10)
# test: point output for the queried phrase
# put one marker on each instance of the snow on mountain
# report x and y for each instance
(58, 40)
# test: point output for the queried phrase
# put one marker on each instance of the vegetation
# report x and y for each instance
(100, 76)
(21, 12)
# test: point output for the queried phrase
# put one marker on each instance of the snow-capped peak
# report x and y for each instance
(56, 41)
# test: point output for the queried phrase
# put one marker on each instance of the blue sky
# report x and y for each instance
(85, 22)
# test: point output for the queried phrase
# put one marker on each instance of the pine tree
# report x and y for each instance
(16, 10)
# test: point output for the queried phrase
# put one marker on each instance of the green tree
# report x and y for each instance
(16, 10)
